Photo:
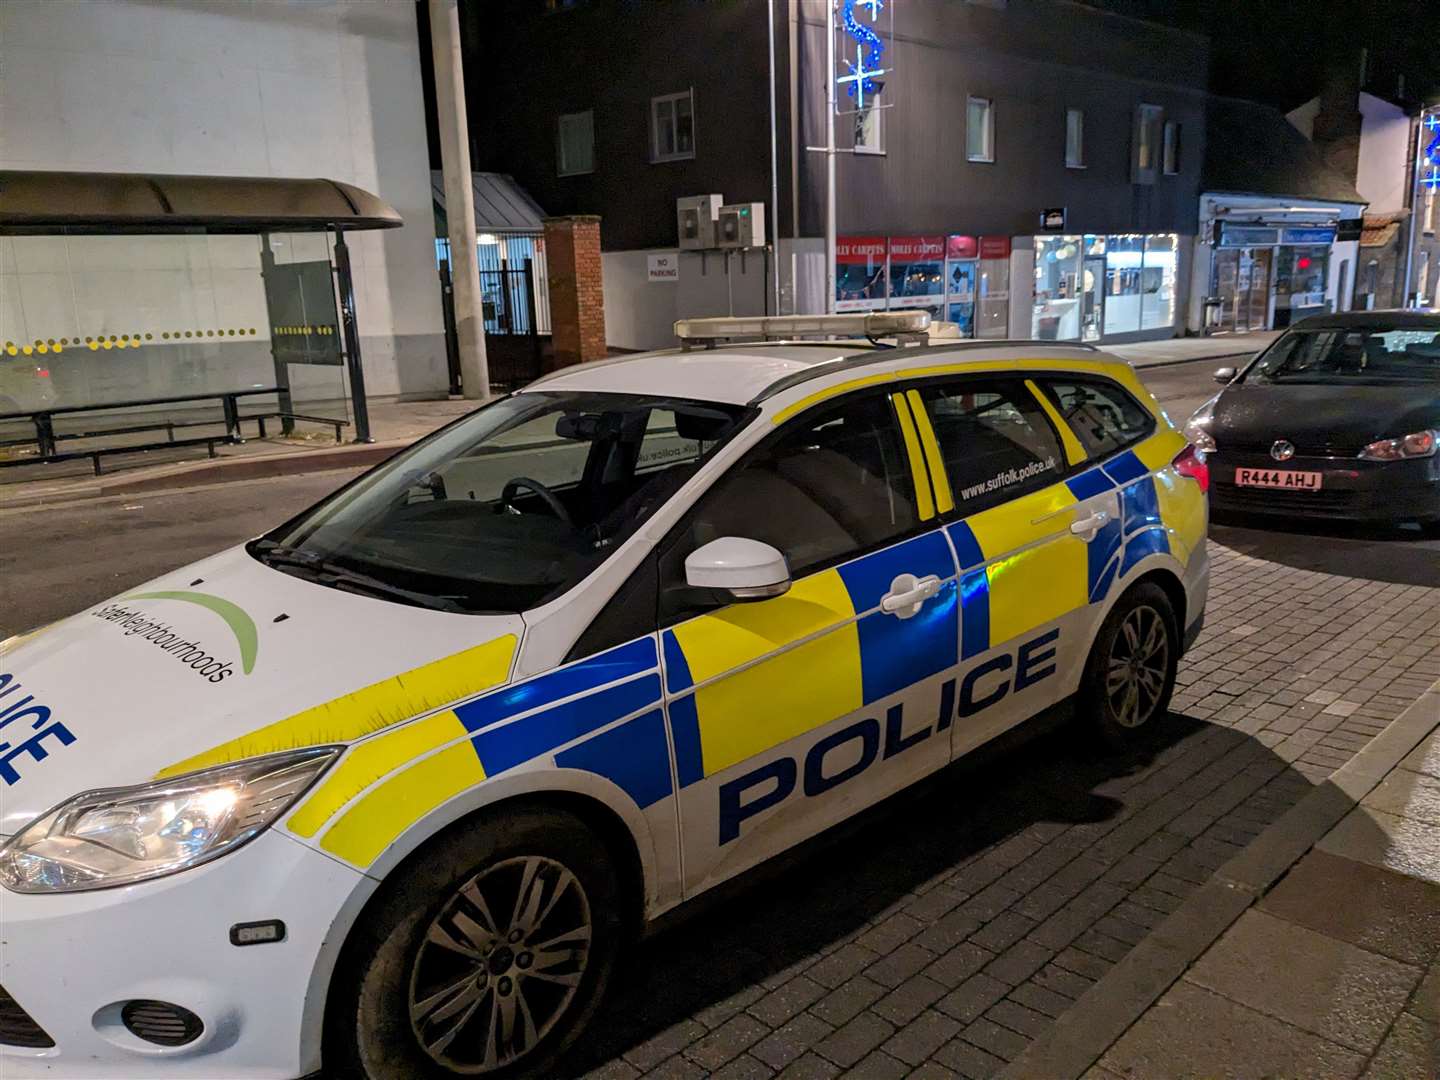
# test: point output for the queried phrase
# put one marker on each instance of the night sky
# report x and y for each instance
(1277, 51)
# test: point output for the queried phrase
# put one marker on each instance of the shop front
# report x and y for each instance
(1269, 276)
(957, 278)
(1094, 288)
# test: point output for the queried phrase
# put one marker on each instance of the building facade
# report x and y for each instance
(208, 88)
(1025, 169)
(1399, 256)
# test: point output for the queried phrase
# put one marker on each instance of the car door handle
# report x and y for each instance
(908, 594)
(1088, 527)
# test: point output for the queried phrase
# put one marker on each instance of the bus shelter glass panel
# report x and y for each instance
(306, 353)
(131, 320)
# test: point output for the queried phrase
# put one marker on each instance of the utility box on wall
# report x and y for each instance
(742, 225)
(695, 220)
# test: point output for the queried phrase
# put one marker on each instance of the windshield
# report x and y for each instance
(1346, 356)
(508, 507)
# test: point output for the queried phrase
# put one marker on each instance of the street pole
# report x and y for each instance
(774, 177)
(1418, 149)
(459, 197)
(830, 156)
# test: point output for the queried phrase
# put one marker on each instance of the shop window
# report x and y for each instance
(1157, 282)
(1145, 162)
(1056, 315)
(1124, 270)
(1302, 274)
(980, 129)
(992, 314)
(870, 130)
(576, 144)
(1170, 156)
(672, 127)
(1074, 138)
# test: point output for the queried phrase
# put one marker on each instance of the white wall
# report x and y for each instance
(1384, 153)
(325, 88)
(640, 314)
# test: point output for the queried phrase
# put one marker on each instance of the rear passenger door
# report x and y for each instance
(789, 714)
(1021, 538)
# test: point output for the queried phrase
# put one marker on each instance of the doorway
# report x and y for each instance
(1092, 298)
(1242, 282)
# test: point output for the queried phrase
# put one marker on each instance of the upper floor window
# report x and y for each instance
(980, 129)
(1145, 156)
(575, 144)
(672, 126)
(1074, 138)
(1170, 152)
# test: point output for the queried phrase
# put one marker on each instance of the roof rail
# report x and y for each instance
(942, 345)
(904, 327)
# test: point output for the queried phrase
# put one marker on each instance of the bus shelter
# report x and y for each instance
(133, 305)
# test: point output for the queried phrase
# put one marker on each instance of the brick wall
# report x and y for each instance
(577, 292)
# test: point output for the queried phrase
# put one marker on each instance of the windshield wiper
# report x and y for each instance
(325, 572)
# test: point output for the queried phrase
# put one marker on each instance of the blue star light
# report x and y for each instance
(866, 66)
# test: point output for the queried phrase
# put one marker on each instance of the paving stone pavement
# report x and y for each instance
(941, 934)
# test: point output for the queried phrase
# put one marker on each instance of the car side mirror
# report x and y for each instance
(1224, 375)
(738, 569)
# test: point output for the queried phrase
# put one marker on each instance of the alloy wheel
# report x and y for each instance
(500, 964)
(1138, 667)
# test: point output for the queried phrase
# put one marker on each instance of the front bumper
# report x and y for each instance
(1351, 489)
(71, 960)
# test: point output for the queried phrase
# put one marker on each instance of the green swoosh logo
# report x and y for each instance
(240, 623)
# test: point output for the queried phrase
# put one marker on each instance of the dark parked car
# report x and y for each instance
(1338, 418)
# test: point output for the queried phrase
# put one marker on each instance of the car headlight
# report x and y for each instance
(1197, 428)
(116, 836)
(1417, 444)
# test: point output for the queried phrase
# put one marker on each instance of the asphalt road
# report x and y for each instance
(56, 560)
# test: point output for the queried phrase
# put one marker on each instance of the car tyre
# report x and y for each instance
(1130, 674)
(485, 956)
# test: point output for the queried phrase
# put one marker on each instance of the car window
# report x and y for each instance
(508, 507)
(994, 439)
(1344, 357)
(1104, 417)
(833, 483)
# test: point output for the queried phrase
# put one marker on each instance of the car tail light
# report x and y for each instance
(1414, 445)
(42, 372)
(1191, 462)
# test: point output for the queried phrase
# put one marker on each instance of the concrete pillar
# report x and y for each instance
(577, 293)
(459, 197)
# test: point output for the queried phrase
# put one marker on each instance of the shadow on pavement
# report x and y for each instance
(1399, 555)
(807, 903)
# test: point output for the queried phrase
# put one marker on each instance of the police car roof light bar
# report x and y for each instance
(906, 327)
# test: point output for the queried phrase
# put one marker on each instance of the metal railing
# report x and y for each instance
(48, 441)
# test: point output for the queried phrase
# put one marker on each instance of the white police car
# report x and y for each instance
(387, 788)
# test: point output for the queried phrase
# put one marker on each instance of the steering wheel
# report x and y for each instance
(512, 487)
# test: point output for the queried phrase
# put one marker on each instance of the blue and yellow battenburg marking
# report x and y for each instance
(1140, 529)
(768, 653)
(442, 755)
